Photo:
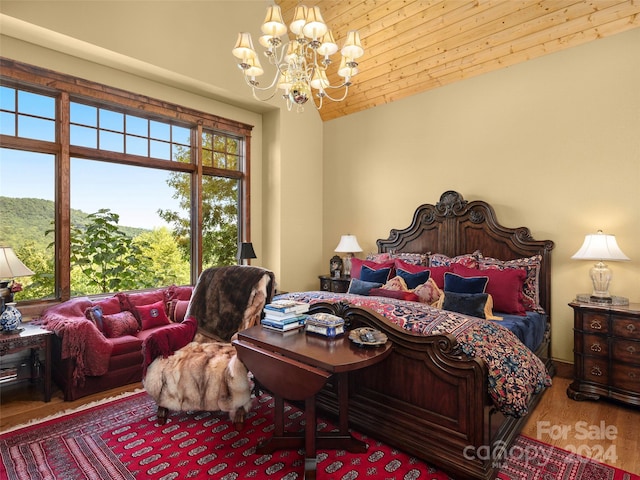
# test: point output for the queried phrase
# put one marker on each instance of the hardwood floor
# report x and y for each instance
(603, 430)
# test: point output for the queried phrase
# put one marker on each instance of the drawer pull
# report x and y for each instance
(596, 347)
(596, 325)
(631, 327)
(596, 372)
(632, 375)
(631, 350)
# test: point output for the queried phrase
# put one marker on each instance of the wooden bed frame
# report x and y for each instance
(428, 398)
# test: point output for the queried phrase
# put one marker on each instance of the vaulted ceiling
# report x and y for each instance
(414, 46)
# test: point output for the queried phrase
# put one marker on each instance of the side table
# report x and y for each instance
(334, 284)
(606, 352)
(36, 339)
(295, 367)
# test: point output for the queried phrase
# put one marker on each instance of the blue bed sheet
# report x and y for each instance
(529, 329)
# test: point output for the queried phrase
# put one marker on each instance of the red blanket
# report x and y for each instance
(166, 341)
(81, 339)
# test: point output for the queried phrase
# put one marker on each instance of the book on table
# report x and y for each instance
(285, 307)
(284, 326)
(292, 331)
(286, 318)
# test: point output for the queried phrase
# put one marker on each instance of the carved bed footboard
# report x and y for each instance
(427, 399)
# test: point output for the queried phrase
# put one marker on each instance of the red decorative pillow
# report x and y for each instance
(532, 266)
(177, 310)
(469, 260)
(428, 292)
(379, 257)
(109, 306)
(175, 292)
(357, 264)
(409, 267)
(128, 301)
(152, 315)
(119, 324)
(505, 286)
(399, 294)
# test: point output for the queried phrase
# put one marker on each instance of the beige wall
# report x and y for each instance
(553, 144)
(539, 140)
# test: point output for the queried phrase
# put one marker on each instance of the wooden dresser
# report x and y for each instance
(606, 352)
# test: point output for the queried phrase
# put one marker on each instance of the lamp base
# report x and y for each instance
(594, 299)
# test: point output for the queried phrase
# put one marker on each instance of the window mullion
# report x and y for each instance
(196, 203)
(63, 201)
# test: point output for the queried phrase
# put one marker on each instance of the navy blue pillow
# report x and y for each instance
(378, 276)
(456, 283)
(360, 287)
(467, 303)
(413, 279)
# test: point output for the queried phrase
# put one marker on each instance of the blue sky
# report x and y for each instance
(94, 185)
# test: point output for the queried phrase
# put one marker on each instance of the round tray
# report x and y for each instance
(380, 338)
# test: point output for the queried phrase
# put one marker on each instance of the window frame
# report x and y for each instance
(67, 89)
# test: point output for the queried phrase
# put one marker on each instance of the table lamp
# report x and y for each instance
(348, 244)
(10, 267)
(246, 252)
(600, 247)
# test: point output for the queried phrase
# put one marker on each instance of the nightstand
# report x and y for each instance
(334, 284)
(606, 352)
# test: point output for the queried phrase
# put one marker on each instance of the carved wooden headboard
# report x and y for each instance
(455, 226)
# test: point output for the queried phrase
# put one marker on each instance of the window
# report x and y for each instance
(104, 202)
(27, 193)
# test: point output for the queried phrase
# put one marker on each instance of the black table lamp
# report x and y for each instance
(246, 252)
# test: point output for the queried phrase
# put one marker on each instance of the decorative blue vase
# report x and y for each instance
(10, 319)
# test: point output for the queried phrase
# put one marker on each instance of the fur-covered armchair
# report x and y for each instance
(195, 367)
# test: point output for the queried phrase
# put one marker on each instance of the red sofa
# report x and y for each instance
(98, 343)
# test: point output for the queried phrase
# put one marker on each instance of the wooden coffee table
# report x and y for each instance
(295, 367)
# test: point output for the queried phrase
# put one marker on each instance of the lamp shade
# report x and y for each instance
(348, 244)
(600, 246)
(11, 266)
(246, 251)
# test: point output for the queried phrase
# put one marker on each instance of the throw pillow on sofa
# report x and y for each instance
(120, 324)
(177, 310)
(152, 315)
(96, 316)
(128, 301)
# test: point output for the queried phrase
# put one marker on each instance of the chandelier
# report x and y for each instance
(300, 63)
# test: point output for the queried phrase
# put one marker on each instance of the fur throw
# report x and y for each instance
(201, 377)
(164, 341)
(228, 299)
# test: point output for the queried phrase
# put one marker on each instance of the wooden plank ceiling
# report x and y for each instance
(414, 46)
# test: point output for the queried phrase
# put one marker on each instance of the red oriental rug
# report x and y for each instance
(119, 439)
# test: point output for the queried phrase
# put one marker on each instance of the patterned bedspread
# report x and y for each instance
(515, 373)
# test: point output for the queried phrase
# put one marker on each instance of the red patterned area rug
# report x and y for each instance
(121, 440)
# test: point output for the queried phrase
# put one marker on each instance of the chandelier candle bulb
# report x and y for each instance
(315, 26)
(352, 47)
(301, 62)
(273, 24)
(299, 19)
